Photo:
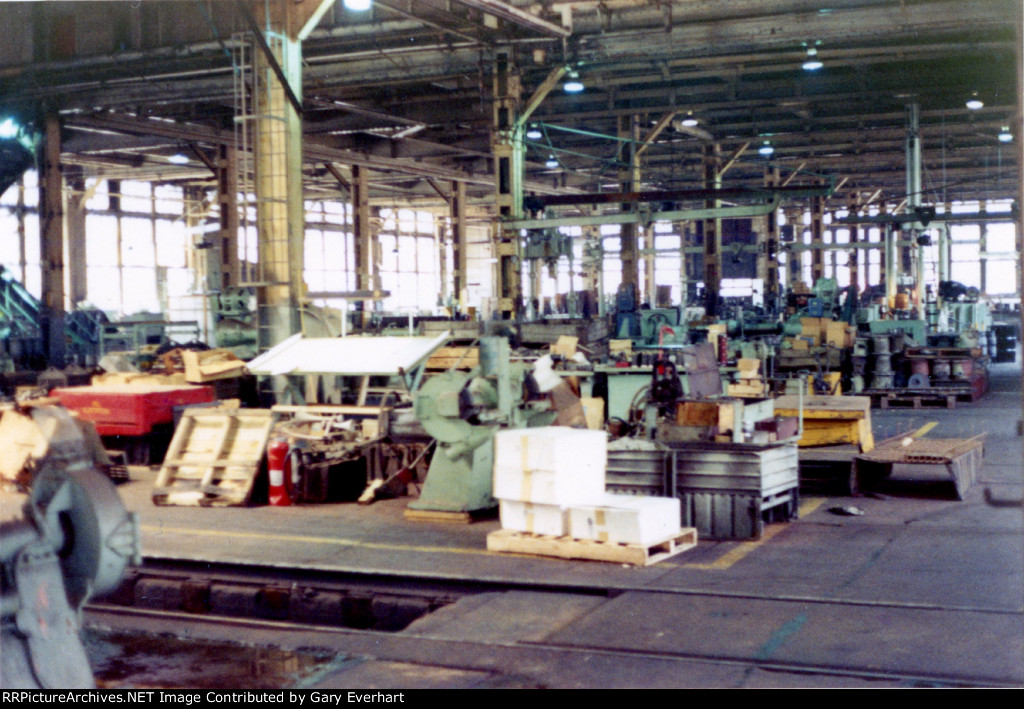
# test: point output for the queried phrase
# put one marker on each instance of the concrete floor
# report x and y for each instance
(922, 585)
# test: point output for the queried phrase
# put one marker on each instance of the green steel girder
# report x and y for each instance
(647, 217)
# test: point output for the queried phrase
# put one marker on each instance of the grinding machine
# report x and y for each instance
(75, 541)
(463, 411)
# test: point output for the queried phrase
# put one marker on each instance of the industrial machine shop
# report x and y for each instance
(487, 344)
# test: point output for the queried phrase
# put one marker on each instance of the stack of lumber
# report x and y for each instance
(748, 379)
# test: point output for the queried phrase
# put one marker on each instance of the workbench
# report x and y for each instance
(831, 420)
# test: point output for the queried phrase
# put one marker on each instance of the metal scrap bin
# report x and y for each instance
(728, 490)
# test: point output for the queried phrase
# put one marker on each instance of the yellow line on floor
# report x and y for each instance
(732, 556)
(157, 530)
(724, 562)
(924, 429)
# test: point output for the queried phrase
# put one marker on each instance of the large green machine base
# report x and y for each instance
(459, 483)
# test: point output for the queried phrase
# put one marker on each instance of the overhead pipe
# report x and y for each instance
(516, 16)
(680, 195)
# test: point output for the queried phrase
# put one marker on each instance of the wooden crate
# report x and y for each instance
(202, 367)
(505, 540)
(214, 458)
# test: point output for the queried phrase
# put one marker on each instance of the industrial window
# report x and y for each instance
(409, 261)
(669, 262)
(1001, 238)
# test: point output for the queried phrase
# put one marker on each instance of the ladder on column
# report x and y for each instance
(261, 135)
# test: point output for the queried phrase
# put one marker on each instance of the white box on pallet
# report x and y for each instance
(551, 465)
(627, 519)
(533, 518)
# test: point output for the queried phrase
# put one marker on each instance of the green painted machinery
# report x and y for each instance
(463, 411)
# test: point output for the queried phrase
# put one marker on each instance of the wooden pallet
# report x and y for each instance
(507, 540)
(451, 517)
(918, 401)
(214, 458)
(464, 358)
(961, 457)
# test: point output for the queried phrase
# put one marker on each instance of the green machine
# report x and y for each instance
(463, 411)
(916, 330)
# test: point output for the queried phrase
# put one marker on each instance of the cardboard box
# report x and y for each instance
(533, 518)
(811, 329)
(627, 519)
(714, 331)
(565, 346)
(748, 368)
(620, 348)
(550, 465)
(593, 412)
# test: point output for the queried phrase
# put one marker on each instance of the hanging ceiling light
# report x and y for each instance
(534, 133)
(812, 63)
(9, 128)
(552, 162)
(689, 121)
(974, 103)
(1005, 136)
(178, 159)
(358, 5)
(573, 85)
(766, 149)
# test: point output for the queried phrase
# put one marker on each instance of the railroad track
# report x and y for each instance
(369, 616)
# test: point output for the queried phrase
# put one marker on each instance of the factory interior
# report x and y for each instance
(495, 344)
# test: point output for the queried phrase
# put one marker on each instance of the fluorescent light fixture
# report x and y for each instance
(573, 85)
(812, 63)
(974, 103)
(534, 133)
(358, 5)
(178, 159)
(766, 149)
(1005, 136)
(552, 162)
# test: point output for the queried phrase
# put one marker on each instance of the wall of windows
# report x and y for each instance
(981, 254)
(140, 256)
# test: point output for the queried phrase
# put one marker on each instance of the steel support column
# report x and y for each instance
(817, 239)
(364, 246)
(768, 255)
(912, 256)
(459, 245)
(794, 258)
(854, 258)
(78, 290)
(277, 87)
(712, 232)
(593, 264)
(629, 178)
(51, 244)
(507, 148)
(227, 197)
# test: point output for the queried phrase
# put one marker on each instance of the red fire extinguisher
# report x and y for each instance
(277, 453)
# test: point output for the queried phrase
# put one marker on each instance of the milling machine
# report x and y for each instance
(463, 411)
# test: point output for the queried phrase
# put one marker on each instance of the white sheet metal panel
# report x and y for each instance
(354, 356)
